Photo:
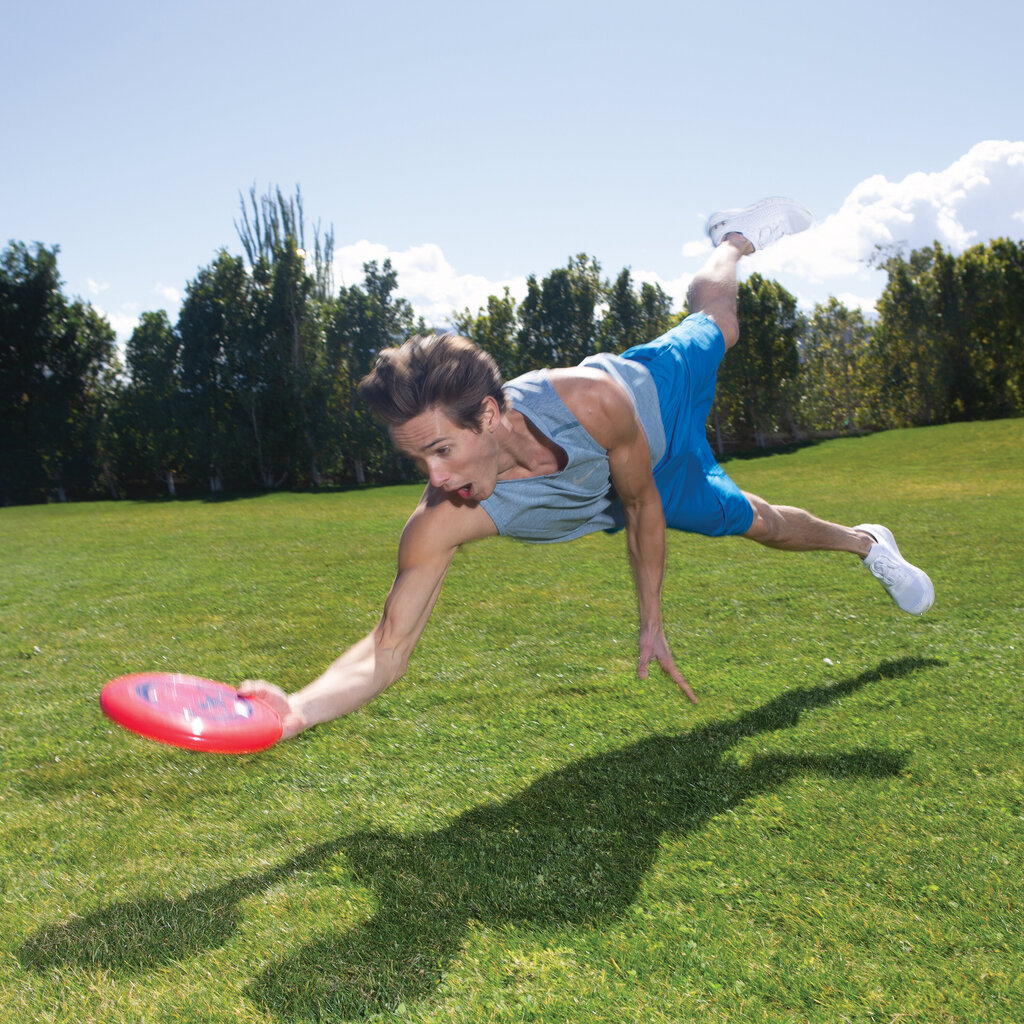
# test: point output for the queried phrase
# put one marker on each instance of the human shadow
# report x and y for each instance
(137, 935)
(572, 848)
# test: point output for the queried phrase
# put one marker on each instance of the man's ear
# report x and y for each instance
(490, 414)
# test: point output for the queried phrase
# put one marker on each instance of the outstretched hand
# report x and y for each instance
(654, 647)
(291, 722)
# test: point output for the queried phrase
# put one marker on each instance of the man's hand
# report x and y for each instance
(654, 646)
(291, 721)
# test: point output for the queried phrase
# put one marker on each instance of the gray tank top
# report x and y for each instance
(578, 499)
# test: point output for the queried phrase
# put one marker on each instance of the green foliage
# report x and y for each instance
(835, 377)
(213, 326)
(363, 321)
(566, 316)
(151, 411)
(494, 329)
(557, 322)
(757, 379)
(255, 385)
(57, 367)
(633, 319)
(950, 341)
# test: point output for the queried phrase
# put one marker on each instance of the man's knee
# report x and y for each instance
(726, 321)
(767, 523)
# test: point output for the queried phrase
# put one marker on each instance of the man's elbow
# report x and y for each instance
(391, 659)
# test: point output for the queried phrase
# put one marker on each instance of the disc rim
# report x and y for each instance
(171, 723)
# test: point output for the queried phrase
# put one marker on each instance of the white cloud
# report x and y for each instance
(124, 321)
(977, 198)
(701, 248)
(426, 278)
(676, 287)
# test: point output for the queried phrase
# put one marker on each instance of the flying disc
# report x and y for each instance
(190, 712)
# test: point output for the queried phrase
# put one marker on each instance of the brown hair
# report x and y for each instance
(442, 369)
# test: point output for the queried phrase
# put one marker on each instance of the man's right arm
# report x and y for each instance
(429, 542)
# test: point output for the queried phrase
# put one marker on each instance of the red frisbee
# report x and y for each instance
(187, 711)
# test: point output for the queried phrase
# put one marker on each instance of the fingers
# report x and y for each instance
(270, 694)
(685, 687)
(668, 666)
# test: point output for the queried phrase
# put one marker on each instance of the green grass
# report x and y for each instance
(520, 830)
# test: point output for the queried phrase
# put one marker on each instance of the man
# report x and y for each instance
(555, 454)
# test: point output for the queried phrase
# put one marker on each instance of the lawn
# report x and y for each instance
(520, 830)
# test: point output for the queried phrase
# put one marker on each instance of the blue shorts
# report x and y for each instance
(695, 492)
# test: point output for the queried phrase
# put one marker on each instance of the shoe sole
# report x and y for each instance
(789, 206)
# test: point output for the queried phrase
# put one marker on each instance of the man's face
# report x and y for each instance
(455, 459)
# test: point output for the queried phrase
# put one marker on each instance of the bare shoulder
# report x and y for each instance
(439, 525)
(599, 402)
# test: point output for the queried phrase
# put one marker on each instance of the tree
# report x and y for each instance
(981, 296)
(286, 403)
(56, 363)
(756, 381)
(836, 379)
(494, 330)
(152, 404)
(910, 358)
(214, 327)
(365, 320)
(631, 318)
(272, 224)
(950, 340)
(557, 319)
(656, 314)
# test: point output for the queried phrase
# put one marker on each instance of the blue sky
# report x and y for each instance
(477, 143)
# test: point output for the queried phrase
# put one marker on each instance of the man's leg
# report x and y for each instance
(737, 233)
(793, 529)
(713, 290)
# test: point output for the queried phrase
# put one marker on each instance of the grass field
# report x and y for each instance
(520, 830)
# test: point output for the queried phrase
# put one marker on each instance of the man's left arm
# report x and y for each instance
(630, 466)
(607, 414)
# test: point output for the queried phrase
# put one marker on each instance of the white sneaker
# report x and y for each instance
(761, 224)
(907, 585)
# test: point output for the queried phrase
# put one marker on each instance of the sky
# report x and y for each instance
(474, 143)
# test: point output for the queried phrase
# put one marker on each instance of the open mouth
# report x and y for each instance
(465, 491)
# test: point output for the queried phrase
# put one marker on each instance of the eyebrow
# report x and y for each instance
(443, 439)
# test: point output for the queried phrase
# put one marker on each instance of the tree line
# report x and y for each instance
(254, 385)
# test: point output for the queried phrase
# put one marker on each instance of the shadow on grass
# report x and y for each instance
(138, 935)
(572, 848)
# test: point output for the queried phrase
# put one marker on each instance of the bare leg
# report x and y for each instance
(793, 529)
(713, 290)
